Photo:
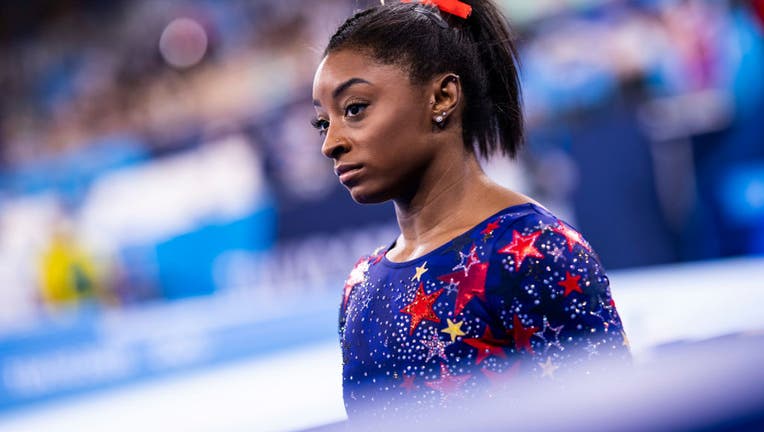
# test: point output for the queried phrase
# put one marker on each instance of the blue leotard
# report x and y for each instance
(520, 293)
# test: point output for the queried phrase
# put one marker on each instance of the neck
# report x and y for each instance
(444, 203)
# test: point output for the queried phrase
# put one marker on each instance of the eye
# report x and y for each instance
(355, 109)
(321, 125)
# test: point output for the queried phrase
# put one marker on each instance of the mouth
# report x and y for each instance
(347, 172)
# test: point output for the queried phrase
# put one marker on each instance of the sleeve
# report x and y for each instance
(357, 276)
(552, 297)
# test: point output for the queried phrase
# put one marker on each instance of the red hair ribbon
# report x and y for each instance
(453, 7)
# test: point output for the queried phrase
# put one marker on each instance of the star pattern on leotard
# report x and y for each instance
(448, 383)
(571, 284)
(468, 285)
(419, 272)
(498, 379)
(487, 345)
(454, 329)
(521, 293)
(522, 335)
(522, 247)
(572, 237)
(435, 347)
(421, 308)
(467, 260)
(489, 230)
(548, 368)
(408, 383)
(550, 335)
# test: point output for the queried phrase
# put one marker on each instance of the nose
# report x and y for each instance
(334, 145)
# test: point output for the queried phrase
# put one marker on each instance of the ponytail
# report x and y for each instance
(498, 56)
(426, 42)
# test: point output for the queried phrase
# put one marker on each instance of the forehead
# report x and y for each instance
(338, 67)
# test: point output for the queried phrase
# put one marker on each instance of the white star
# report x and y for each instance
(556, 252)
(548, 368)
(554, 336)
(358, 274)
(467, 260)
(452, 287)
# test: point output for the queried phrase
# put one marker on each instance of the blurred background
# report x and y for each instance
(173, 244)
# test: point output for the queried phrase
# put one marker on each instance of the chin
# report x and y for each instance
(362, 196)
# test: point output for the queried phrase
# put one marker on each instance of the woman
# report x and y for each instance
(483, 283)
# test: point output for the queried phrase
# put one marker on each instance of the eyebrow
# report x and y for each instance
(343, 87)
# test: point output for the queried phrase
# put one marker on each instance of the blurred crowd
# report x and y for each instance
(643, 120)
(92, 89)
(161, 71)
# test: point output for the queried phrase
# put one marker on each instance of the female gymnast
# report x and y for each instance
(483, 284)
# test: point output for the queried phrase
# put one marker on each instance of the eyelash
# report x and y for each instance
(357, 104)
(320, 124)
(323, 125)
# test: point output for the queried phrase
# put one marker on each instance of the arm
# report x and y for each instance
(553, 299)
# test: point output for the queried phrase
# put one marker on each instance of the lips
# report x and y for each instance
(344, 168)
(347, 171)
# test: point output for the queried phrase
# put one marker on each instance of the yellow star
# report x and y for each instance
(420, 271)
(454, 329)
(548, 368)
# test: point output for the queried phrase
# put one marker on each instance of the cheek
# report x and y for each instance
(400, 130)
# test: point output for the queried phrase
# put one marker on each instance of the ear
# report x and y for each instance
(445, 97)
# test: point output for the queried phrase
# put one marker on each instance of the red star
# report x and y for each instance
(490, 228)
(572, 237)
(522, 335)
(487, 346)
(421, 308)
(447, 383)
(499, 378)
(408, 383)
(469, 286)
(522, 248)
(570, 284)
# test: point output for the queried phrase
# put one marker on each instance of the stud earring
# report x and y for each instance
(440, 118)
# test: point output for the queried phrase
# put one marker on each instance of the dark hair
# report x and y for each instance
(426, 42)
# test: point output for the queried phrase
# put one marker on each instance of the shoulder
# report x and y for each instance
(359, 273)
(523, 240)
(363, 264)
(546, 281)
(525, 219)
(537, 252)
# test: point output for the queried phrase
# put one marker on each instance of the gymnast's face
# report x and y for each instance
(376, 125)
